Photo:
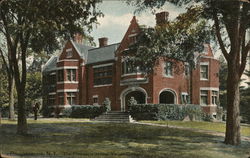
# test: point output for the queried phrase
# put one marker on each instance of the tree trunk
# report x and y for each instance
(22, 122)
(233, 136)
(11, 98)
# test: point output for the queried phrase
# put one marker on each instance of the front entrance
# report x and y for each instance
(139, 96)
(167, 97)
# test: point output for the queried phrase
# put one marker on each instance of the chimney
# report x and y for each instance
(103, 41)
(78, 38)
(161, 18)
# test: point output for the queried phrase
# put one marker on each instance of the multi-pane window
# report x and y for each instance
(71, 74)
(60, 75)
(204, 97)
(214, 97)
(169, 69)
(103, 75)
(61, 98)
(71, 98)
(51, 100)
(204, 72)
(129, 67)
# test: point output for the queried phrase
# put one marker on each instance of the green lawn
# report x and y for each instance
(210, 126)
(81, 138)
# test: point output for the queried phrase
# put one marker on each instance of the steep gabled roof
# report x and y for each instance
(50, 65)
(102, 54)
(82, 49)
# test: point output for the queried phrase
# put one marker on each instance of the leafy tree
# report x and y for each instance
(223, 82)
(33, 89)
(5, 56)
(230, 21)
(35, 25)
(3, 90)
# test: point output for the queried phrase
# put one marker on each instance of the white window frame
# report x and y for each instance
(69, 102)
(95, 97)
(217, 96)
(165, 69)
(186, 97)
(69, 53)
(204, 95)
(204, 64)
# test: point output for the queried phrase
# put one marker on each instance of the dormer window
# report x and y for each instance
(69, 53)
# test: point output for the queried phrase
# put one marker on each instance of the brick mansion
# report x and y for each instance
(85, 75)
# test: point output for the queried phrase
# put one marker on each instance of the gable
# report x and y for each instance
(74, 50)
(132, 31)
(69, 52)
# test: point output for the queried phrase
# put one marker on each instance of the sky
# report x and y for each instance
(117, 17)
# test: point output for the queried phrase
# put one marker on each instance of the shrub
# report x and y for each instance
(165, 111)
(86, 111)
(106, 105)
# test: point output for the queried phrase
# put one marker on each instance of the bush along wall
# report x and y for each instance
(166, 112)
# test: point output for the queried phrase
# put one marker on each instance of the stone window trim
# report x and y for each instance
(71, 98)
(204, 72)
(168, 69)
(186, 69)
(95, 99)
(103, 75)
(204, 95)
(71, 75)
(128, 69)
(214, 97)
(184, 98)
(69, 53)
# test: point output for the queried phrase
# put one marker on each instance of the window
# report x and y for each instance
(51, 100)
(169, 69)
(69, 53)
(204, 72)
(95, 100)
(204, 97)
(184, 98)
(103, 75)
(61, 98)
(214, 97)
(128, 67)
(71, 98)
(60, 75)
(71, 74)
(52, 78)
(132, 38)
(187, 69)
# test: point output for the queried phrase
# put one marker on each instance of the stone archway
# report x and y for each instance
(139, 94)
(167, 97)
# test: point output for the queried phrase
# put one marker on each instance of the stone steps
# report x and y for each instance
(114, 116)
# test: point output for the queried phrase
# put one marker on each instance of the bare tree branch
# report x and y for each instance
(218, 35)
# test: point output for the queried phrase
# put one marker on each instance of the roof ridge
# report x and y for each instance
(105, 46)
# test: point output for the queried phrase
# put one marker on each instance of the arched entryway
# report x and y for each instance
(167, 97)
(138, 93)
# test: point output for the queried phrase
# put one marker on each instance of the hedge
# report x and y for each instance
(84, 111)
(166, 112)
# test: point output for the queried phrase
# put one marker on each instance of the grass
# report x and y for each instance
(209, 126)
(80, 138)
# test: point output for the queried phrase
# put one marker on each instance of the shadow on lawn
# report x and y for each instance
(113, 140)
